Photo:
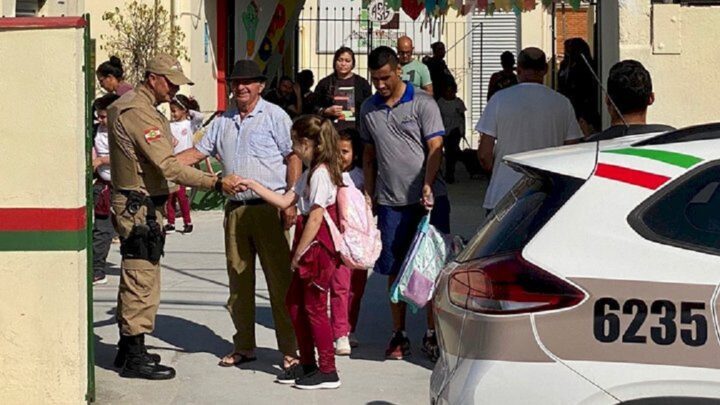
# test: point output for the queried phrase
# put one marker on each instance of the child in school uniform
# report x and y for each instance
(182, 131)
(314, 258)
(348, 285)
(103, 231)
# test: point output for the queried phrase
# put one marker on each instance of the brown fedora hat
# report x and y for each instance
(247, 70)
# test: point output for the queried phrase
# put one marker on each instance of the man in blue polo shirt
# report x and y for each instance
(402, 129)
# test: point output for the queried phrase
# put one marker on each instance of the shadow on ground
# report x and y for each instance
(184, 336)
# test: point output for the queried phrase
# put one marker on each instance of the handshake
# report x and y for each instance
(233, 184)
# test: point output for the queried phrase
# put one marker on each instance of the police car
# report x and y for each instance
(594, 281)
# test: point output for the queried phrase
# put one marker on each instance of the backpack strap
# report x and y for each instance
(334, 231)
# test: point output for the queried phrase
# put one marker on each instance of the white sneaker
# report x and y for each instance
(353, 340)
(342, 346)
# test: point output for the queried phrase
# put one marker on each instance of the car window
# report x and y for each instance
(520, 214)
(685, 214)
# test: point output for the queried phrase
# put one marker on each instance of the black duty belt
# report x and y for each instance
(158, 200)
(244, 203)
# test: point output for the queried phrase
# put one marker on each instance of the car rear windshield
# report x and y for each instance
(521, 214)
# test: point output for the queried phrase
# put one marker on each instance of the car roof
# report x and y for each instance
(636, 151)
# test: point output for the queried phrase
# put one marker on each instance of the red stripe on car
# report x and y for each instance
(631, 176)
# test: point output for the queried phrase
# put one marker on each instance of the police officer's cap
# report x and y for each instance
(168, 66)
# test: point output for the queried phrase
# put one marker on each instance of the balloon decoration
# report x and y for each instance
(438, 8)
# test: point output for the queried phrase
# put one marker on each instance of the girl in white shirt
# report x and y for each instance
(181, 128)
(314, 258)
(348, 285)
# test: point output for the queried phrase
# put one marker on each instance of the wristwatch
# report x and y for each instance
(218, 185)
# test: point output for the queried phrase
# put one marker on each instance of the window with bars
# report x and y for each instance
(689, 2)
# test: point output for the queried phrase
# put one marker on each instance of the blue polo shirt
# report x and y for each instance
(399, 134)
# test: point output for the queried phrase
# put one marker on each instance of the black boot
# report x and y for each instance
(139, 364)
(154, 357)
(123, 351)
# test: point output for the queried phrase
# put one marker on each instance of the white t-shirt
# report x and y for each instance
(182, 131)
(521, 118)
(321, 191)
(453, 114)
(102, 149)
(355, 177)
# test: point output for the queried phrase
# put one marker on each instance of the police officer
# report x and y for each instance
(143, 167)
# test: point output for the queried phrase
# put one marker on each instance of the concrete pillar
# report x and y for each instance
(43, 266)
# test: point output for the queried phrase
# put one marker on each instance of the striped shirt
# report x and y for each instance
(254, 147)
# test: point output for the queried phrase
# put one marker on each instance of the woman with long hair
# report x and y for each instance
(576, 81)
(340, 95)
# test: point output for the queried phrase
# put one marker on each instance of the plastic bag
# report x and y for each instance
(429, 252)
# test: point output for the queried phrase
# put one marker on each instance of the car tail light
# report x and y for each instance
(507, 284)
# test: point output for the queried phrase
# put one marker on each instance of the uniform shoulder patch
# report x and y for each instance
(152, 134)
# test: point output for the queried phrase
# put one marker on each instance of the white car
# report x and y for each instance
(594, 281)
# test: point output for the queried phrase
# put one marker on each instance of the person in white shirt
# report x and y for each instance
(348, 285)
(182, 132)
(521, 118)
(452, 109)
(315, 259)
(103, 231)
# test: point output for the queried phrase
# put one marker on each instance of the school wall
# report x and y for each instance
(571, 24)
(192, 16)
(536, 29)
(677, 45)
(43, 271)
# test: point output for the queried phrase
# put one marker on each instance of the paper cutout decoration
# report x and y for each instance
(413, 8)
(250, 21)
(436, 8)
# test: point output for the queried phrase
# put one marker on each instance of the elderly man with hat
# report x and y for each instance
(254, 141)
(144, 173)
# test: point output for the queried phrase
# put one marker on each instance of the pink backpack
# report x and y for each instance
(359, 242)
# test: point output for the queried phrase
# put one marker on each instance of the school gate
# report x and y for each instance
(473, 42)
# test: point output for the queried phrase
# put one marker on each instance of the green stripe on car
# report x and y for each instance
(671, 158)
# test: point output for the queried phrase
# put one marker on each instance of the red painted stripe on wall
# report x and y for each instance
(42, 219)
(42, 22)
(631, 176)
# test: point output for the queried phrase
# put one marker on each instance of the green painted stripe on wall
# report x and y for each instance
(671, 158)
(34, 241)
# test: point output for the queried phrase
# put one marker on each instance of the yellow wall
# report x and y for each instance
(685, 82)
(536, 29)
(191, 16)
(43, 337)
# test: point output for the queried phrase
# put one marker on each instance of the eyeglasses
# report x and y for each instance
(404, 53)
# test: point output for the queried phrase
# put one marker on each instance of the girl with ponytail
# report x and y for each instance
(314, 258)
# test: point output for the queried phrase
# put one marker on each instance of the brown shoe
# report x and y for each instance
(234, 359)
